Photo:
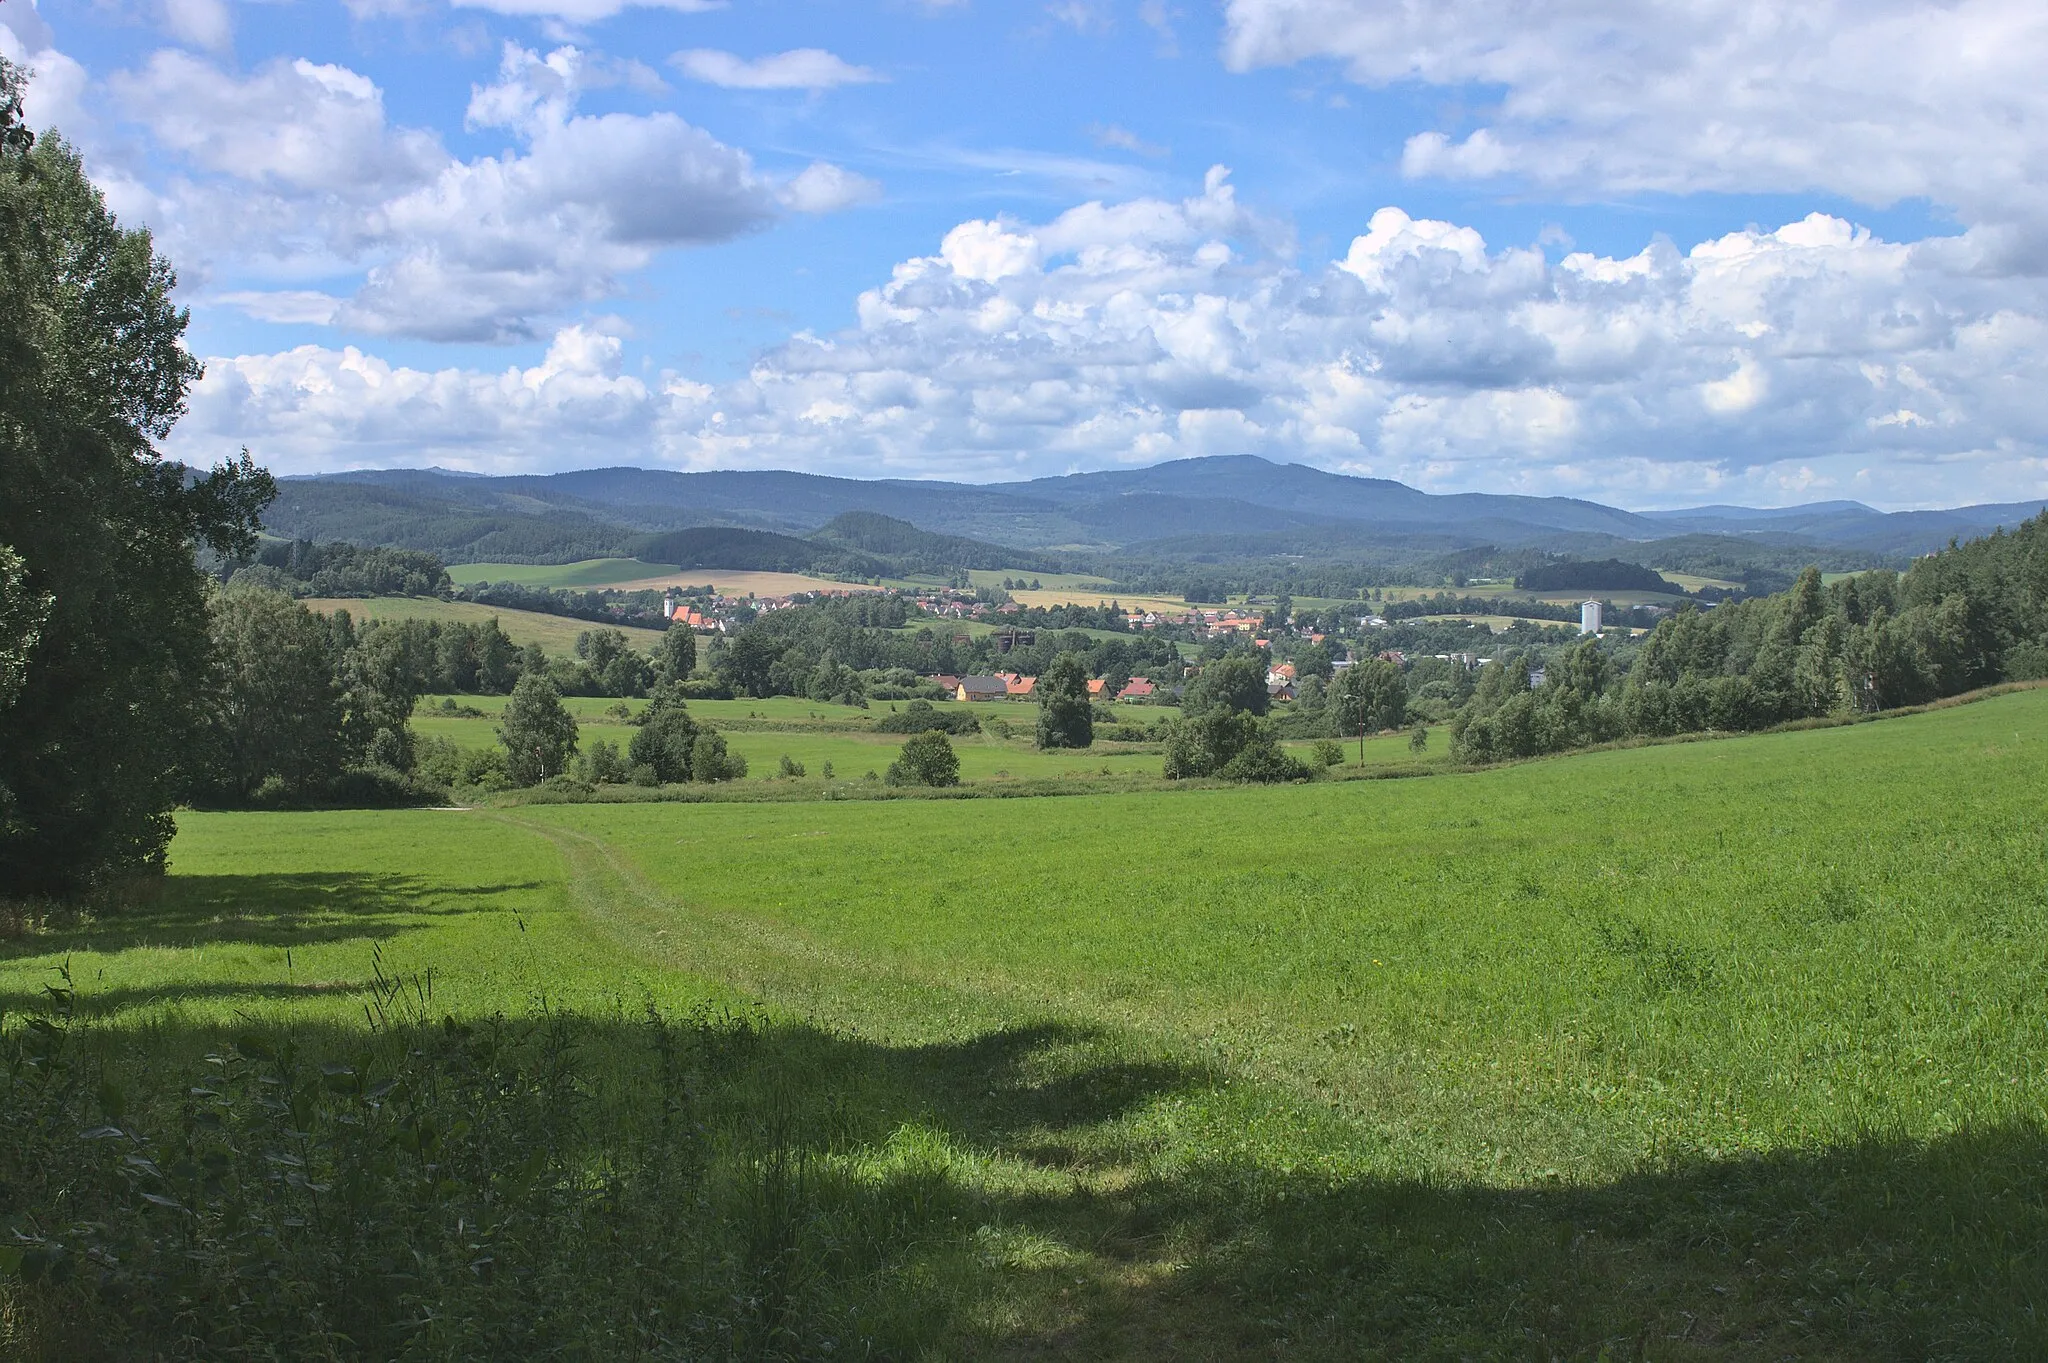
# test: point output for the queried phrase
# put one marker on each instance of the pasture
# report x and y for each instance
(589, 572)
(814, 734)
(1693, 582)
(632, 574)
(555, 633)
(1715, 1050)
(739, 582)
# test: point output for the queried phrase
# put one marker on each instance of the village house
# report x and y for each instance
(981, 688)
(1138, 688)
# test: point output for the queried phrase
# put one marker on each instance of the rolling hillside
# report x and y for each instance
(1234, 506)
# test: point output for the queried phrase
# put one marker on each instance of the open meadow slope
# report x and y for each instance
(1716, 1050)
(590, 572)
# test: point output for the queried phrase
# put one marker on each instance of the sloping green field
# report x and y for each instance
(590, 572)
(1728, 1050)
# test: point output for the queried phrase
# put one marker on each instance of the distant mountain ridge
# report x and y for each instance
(1239, 503)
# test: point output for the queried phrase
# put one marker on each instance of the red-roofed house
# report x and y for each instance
(1136, 689)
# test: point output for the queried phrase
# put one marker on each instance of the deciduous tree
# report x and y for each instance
(1234, 682)
(274, 706)
(1065, 717)
(539, 733)
(109, 708)
(677, 657)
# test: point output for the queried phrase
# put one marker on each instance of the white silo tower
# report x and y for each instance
(1589, 618)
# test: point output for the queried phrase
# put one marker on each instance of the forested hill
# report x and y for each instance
(1228, 507)
(916, 550)
(709, 546)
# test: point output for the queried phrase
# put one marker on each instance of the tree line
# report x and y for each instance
(303, 706)
(1970, 616)
(822, 649)
(305, 568)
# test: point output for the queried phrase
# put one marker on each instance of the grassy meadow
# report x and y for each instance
(1715, 1050)
(814, 734)
(633, 573)
(589, 572)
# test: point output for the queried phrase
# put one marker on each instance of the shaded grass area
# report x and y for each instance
(1721, 1050)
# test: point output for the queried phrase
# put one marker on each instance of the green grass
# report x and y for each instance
(555, 633)
(1693, 582)
(763, 731)
(589, 572)
(1719, 1050)
(814, 733)
(993, 577)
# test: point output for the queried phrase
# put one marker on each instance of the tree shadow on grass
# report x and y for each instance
(294, 910)
(98, 1002)
(1011, 1207)
(1880, 1248)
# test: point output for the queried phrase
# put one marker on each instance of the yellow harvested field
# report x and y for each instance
(1070, 596)
(1693, 582)
(731, 582)
(555, 633)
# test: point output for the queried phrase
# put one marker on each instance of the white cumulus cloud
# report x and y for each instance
(822, 187)
(1764, 364)
(574, 406)
(805, 68)
(1877, 100)
(293, 181)
(585, 11)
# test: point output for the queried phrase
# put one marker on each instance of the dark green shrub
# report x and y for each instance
(926, 760)
(920, 716)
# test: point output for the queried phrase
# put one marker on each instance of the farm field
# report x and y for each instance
(983, 757)
(1693, 582)
(1496, 623)
(1718, 1050)
(555, 633)
(974, 629)
(590, 572)
(1071, 589)
(774, 711)
(632, 574)
(737, 582)
(993, 577)
(1508, 591)
(1051, 597)
(814, 734)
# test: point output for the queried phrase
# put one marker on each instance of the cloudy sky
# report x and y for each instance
(1654, 252)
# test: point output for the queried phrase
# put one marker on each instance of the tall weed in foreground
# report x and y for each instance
(509, 1189)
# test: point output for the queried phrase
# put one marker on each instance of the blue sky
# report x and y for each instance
(1652, 253)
